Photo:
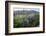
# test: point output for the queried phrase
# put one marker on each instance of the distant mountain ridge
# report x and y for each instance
(25, 11)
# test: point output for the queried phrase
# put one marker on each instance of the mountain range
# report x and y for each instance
(25, 12)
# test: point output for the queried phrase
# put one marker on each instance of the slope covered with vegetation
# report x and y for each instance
(26, 20)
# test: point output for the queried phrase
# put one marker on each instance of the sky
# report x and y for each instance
(36, 9)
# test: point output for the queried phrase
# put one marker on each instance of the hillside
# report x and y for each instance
(26, 19)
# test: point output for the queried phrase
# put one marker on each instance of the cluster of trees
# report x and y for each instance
(27, 22)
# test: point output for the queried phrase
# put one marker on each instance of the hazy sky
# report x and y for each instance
(36, 9)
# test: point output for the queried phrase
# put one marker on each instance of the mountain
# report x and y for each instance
(25, 12)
